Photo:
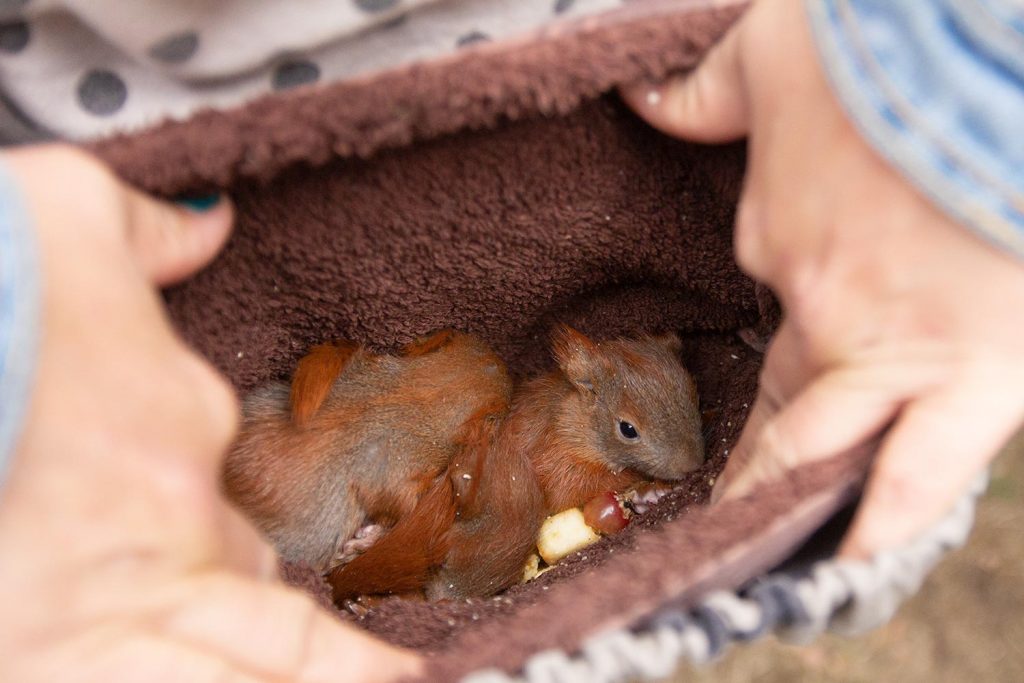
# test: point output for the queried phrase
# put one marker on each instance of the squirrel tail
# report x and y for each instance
(315, 376)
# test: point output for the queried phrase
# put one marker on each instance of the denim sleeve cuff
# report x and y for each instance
(937, 88)
(19, 316)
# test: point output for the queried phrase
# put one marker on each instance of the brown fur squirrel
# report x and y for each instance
(612, 415)
(416, 473)
(371, 452)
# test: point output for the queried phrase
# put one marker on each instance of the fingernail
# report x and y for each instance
(717, 491)
(721, 488)
(200, 203)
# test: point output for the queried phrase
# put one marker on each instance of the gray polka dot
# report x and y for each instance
(7, 6)
(291, 74)
(397, 21)
(175, 49)
(13, 37)
(472, 37)
(375, 5)
(102, 92)
(563, 5)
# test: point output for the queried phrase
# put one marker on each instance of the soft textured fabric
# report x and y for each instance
(796, 604)
(938, 88)
(500, 192)
(20, 303)
(87, 68)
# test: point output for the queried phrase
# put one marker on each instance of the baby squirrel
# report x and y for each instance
(419, 472)
(370, 452)
(612, 415)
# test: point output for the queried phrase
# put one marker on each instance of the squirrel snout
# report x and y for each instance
(683, 461)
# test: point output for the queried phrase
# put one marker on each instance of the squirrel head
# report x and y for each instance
(633, 402)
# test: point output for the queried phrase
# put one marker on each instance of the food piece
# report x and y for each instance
(531, 570)
(642, 497)
(574, 529)
(606, 514)
(563, 534)
(534, 567)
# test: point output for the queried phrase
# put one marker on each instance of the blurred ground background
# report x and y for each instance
(965, 625)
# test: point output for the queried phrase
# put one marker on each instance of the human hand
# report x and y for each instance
(119, 560)
(898, 322)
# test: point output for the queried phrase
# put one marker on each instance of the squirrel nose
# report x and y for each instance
(690, 457)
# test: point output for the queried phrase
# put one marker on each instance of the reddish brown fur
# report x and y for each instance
(462, 501)
(429, 344)
(419, 543)
(552, 417)
(475, 441)
(402, 561)
(568, 471)
(498, 516)
(314, 378)
(384, 435)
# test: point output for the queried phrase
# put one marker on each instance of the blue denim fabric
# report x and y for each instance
(937, 87)
(19, 316)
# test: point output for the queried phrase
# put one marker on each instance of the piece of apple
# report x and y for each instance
(563, 534)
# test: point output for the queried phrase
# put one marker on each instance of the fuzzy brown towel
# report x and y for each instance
(499, 192)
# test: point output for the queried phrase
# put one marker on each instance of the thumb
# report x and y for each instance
(929, 458)
(276, 633)
(706, 105)
(173, 241)
(840, 410)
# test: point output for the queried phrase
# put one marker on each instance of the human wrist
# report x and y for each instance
(931, 86)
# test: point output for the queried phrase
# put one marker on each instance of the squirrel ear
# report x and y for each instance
(315, 376)
(671, 341)
(580, 358)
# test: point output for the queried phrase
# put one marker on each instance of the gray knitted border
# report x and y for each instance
(841, 596)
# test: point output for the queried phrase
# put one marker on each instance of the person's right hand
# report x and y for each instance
(119, 560)
(897, 321)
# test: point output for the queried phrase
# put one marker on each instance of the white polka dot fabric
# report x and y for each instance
(83, 69)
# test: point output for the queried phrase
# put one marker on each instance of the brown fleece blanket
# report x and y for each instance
(500, 191)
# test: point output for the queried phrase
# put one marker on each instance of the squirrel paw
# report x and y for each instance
(364, 537)
(641, 498)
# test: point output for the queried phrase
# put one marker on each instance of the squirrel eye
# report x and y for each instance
(628, 430)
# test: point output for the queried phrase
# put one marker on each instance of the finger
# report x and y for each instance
(708, 104)
(173, 241)
(842, 409)
(243, 548)
(761, 412)
(128, 653)
(927, 461)
(281, 634)
(785, 372)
